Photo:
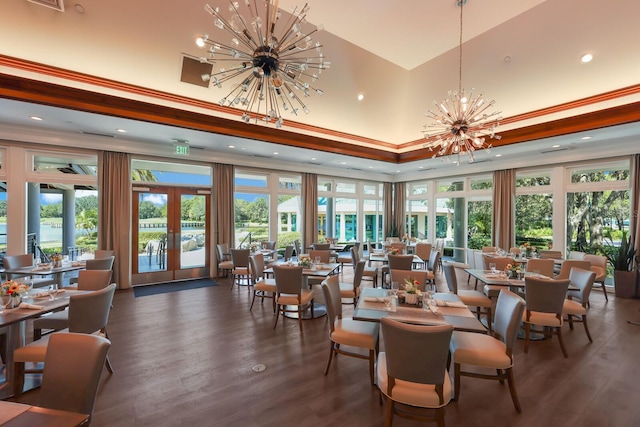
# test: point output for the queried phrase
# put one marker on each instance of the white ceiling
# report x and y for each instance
(401, 55)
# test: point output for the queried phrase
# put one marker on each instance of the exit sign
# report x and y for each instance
(181, 149)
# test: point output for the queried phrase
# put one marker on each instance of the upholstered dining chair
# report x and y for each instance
(296, 245)
(289, 292)
(551, 254)
(412, 370)
(88, 314)
(346, 331)
(599, 267)
(225, 265)
(105, 263)
(396, 262)
(370, 273)
(568, 264)
(544, 302)
(240, 272)
(72, 369)
(469, 297)
(435, 261)
(321, 246)
(493, 351)
(88, 280)
(288, 252)
(423, 250)
(576, 311)
(323, 254)
(352, 290)
(489, 249)
(544, 266)
(25, 260)
(103, 253)
(346, 258)
(262, 287)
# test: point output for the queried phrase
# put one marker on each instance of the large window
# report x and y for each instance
(534, 209)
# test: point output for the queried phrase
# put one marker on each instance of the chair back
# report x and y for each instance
(544, 266)
(400, 276)
(17, 261)
(434, 260)
(331, 292)
(489, 249)
(103, 253)
(416, 353)
(256, 264)
(500, 261)
(514, 250)
(423, 250)
(240, 257)
(568, 264)
(288, 252)
(583, 280)
(296, 245)
(508, 317)
(321, 246)
(392, 240)
(480, 260)
(323, 254)
(551, 254)
(357, 275)
(223, 252)
(354, 255)
(100, 263)
(93, 280)
(288, 279)
(72, 370)
(400, 247)
(576, 255)
(400, 262)
(471, 259)
(89, 312)
(268, 244)
(598, 266)
(545, 295)
(450, 276)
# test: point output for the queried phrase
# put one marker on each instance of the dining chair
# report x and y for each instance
(289, 292)
(240, 272)
(321, 246)
(400, 247)
(344, 257)
(423, 250)
(514, 250)
(576, 255)
(599, 267)
(262, 287)
(346, 331)
(25, 260)
(296, 245)
(489, 249)
(323, 254)
(435, 261)
(399, 277)
(288, 252)
(493, 351)
(471, 262)
(88, 280)
(73, 366)
(576, 311)
(88, 314)
(352, 290)
(103, 253)
(395, 262)
(225, 265)
(568, 264)
(469, 297)
(544, 266)
(551, 254)
(412, 370)
(544, 302)
(370, 273)
(268, 244)
(105, 263)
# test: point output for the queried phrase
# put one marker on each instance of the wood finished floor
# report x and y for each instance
(185, 359)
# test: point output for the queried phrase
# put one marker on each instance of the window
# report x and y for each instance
(170, 173)
(534, 208)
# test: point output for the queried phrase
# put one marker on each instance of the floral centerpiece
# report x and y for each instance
(411, 290)
(527, 249)
(305, 261)
(56, 259)
(514, 270)
(14, 291)
(393, 251)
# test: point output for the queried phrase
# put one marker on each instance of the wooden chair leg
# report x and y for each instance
(512, 389)
(564, 350)
(107, 363)
(586, 327)
(456, 381)
(331, 351)
(18, 378)
(527, 332)
(372, 366)
(604, 289)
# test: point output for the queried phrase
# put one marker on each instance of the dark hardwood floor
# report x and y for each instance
(186, 358)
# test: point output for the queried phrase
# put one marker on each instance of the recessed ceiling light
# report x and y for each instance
(498, 155)
(586, 137)
(397, 171)
(200, 42)
(231, 146)
(370, 167)
(360, 97)
(121, 130)
(420, 167)
(313, 158)
(555, 146)
(343, 163)
(275, 153)
(587, 57)
(36, 118)
(79, 8)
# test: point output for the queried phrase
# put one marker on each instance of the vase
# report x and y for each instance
(14, 301)
(411, 298)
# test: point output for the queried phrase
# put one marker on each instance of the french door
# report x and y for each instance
(170, 229)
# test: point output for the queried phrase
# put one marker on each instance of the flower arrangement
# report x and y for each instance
(393, 251)
(13, 288)
(411, 285)
(527, 249)
(513, 270)
(304, 261)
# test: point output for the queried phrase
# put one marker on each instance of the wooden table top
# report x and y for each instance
(20, 415)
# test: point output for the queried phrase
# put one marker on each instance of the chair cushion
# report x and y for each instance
(492, 291)
(241, 271)
(601, 273)
(542, 319)
(415, 394)
(573, 307)
(225, 265)
(345, 259)
(33, 352)
(474, 298)
(479, 350)
(346, 290)
(355, 333)
(57, 320)
(265, 285)
(291, 299)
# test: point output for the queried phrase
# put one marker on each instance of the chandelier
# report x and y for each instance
(272, 67)
(462, 122)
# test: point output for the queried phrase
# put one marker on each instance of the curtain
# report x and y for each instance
(114, 212)
(387, 194)
(223, 213)
(310, 208)
(635, 202)
(503, 218)
(399, 200)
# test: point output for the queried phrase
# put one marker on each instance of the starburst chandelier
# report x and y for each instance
(461, 123)
(272, 67)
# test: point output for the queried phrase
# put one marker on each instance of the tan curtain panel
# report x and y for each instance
(309, 208)
(503, 222)
(114, 212)
(399, 200)
(635, 201)
(387, 195)
(223, 212)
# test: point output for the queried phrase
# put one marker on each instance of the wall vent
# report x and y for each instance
(554, 150)
(106, 135)
(52, 4)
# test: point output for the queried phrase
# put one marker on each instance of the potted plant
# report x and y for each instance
(621, 258)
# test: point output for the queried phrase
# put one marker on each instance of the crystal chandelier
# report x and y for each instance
(272, 67)
(461, 123)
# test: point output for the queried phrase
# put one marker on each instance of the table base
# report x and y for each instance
(319, 310)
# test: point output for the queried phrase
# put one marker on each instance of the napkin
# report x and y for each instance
(373, 299)
(78, 263)
(454, 304)
(494, 276)
(46, 293)
(31, 306)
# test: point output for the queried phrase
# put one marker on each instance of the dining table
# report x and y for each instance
(48, 270)
(382, 257)
(448, 310)
(14, 320)
(321, 271)
(493, 281)
(14, 414)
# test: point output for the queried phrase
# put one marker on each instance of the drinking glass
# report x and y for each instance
(492, 267)
(53, 291)
(317, 260)
(4, 301)
(387, 303)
